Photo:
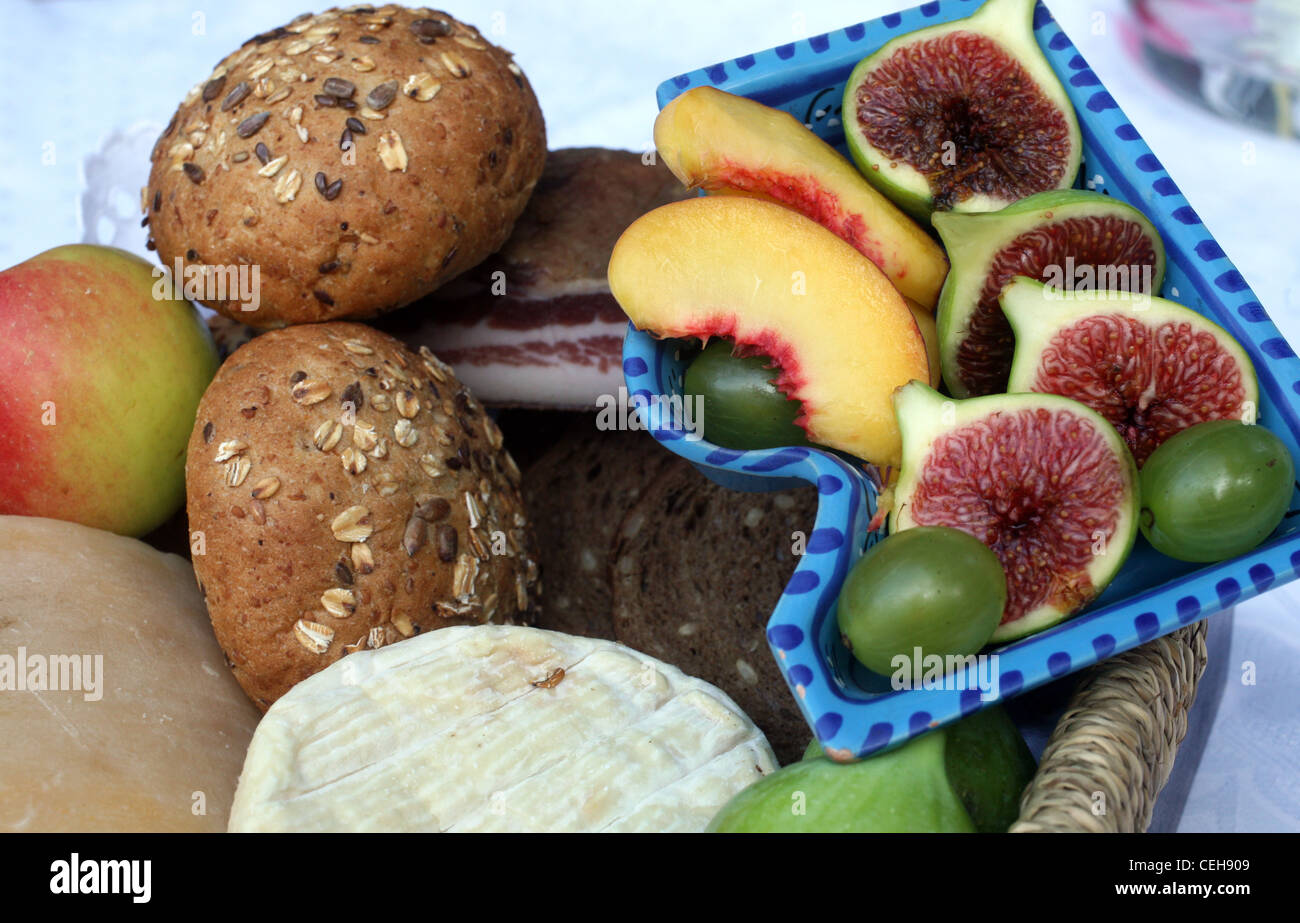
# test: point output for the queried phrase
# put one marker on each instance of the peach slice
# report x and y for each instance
(929, 327)
(723, 143)
(776, 283)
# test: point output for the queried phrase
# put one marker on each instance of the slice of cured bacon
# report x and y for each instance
(563, 351)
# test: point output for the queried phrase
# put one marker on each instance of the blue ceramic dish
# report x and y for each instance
(852, 711)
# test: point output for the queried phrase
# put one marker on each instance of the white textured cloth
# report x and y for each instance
(90, 70)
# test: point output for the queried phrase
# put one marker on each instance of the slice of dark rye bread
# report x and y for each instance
(576, 494)
(696, 570)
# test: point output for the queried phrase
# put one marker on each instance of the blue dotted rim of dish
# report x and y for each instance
(851, 713)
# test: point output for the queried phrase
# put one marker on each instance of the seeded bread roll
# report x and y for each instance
(347, 494)
(359, 159)
(696, 570)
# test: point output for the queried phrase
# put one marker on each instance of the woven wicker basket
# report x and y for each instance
(1112, 751)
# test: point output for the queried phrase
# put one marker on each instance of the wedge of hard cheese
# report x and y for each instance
(117, 710)
(482, 728)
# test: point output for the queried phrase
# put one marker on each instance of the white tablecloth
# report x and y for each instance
(79, 71)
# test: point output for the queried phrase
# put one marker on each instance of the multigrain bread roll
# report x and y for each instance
(116, 707)
(359, 159)
(346, 493)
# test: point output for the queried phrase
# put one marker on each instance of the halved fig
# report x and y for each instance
(1149, 366)
(965, 116)
(1042, 480)
(1069, 239)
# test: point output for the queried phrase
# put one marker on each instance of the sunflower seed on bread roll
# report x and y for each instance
(346, 494)
(498, 728)
(357, 158)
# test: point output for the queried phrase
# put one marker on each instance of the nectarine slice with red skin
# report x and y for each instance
(779, 284)
(806, 196)
(731, 145)
(929, 327)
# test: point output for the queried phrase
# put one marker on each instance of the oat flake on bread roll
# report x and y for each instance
(498, 728)
(359, 158)
(350, 494)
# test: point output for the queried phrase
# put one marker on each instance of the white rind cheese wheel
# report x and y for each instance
(498, 728)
